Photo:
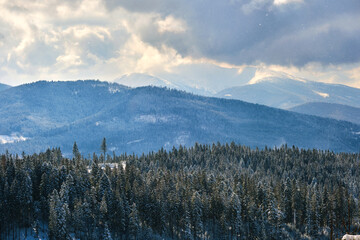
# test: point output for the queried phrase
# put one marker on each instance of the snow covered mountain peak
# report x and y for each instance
(140, 80)
(263, 74)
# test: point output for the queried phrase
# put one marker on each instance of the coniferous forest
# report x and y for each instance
(202, 192)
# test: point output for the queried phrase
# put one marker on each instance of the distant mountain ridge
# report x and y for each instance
(4, 87)
(286, 93)
(142, 80)
(330, 110)
(39, 115)
(280, 90)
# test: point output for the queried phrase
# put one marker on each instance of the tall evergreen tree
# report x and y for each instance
(57, 221)
(196, 215)
(134, 222)
(103, 147)
(235, 217)
(107, 234)
(75, 151)
(187, 234)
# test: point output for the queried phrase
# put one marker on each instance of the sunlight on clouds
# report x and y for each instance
(215, 63)
(170, 24)
(69, 60)
(354, 75)
(348, 74)
(20, 25)
(82, 31)
(150, 59)
(283, 2)
(86, 9)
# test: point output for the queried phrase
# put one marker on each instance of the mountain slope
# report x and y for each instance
(330, 110)
(49, 114)
(286, 93)
(4, 87)
(140, 80)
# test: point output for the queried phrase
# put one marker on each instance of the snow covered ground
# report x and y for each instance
(111, 165)
(350, 237)
(11, 138)
(31, 235)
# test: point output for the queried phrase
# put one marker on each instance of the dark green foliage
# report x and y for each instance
(203, 192)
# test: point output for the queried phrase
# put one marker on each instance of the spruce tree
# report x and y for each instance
(103, 147)
(76, 152)
(134, 222)
(236, 219)
(107, 234)
(187, 235)
(57, 220)
(196, 215)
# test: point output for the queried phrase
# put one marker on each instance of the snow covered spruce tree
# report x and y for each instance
(58, 228)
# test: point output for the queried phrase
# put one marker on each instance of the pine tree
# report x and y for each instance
(287, 202)
(235, 218)
(296, 204)
(24, 195)
(187, 235)
(263, 233)
(87, 216)
(196, 215)
(315, 207)
(57, 220)
(78, 214)
(104, 187)
(134, 222)
(103, 147)
(310, 215)
(272, 214)
(76, 152)
(103, 211)
(106, 235)
(95, 170)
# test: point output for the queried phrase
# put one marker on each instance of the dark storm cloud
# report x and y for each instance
(293, 33)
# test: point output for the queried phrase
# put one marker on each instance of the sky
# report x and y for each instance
(191, 39)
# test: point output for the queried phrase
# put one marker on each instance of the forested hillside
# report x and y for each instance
(36, 116)
(330, 110)
(3, 86)
(203, 192)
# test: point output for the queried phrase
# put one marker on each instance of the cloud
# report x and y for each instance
(107, 38)
(262, 30)
(283, 2)
(170, 24)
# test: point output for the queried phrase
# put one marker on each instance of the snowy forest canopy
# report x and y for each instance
(203, 192)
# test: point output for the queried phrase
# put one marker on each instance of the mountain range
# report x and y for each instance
(271, 89)
(43, 114)
(287, 93)
(171, 81)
